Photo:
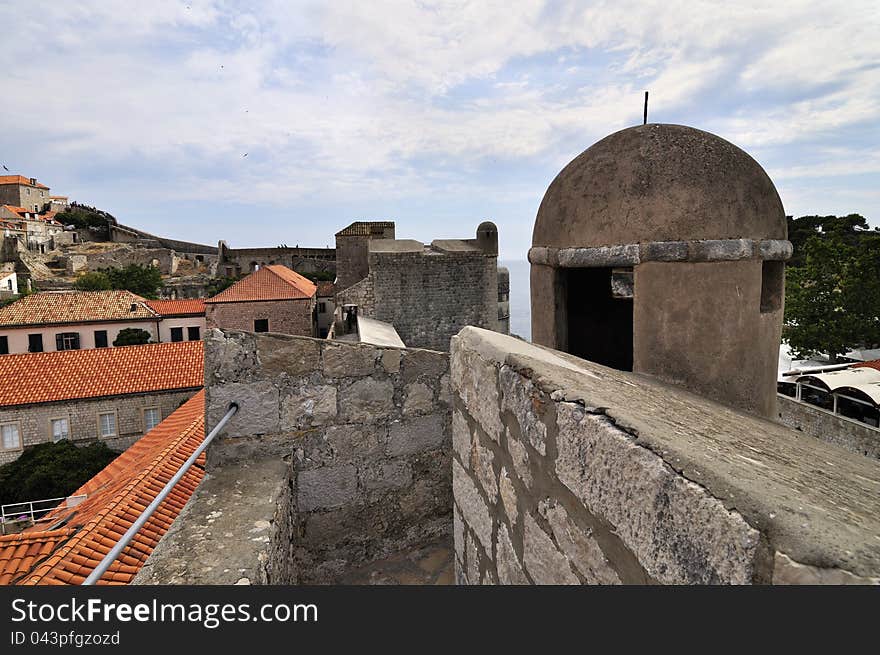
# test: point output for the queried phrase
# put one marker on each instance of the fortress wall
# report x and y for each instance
(855, 436)
(565, 471)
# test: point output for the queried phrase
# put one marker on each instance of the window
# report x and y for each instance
(100, 338)
(35, 343)
(261, 325)
(67, 341)
(177, 334)
(11, 438)
(151, 418)
(193, 333)
(107, 424)
(60, 429)
(4, 345)
(322, 308)
(772, 286)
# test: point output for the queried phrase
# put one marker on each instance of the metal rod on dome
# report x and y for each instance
(645, 122)
(110, 557)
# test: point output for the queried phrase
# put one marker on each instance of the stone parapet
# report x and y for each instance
(565, 471)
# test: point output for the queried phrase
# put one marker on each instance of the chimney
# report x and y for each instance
(34, 181)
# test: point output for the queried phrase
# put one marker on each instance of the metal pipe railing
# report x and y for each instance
(110, 557)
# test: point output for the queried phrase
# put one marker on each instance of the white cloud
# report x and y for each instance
(408, 98)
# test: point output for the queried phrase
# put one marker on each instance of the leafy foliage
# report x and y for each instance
(51, 470)
(132, 337)
(832, 300)
(85, 217)
(142, 280)
(316, 276)
(93, 281)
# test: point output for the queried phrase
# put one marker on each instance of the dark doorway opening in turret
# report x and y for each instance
(599, 310)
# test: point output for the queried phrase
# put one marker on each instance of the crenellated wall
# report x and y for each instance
(565, 471)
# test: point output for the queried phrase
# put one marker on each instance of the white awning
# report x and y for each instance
(863, 378)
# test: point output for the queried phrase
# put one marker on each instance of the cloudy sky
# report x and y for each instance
(435, 115)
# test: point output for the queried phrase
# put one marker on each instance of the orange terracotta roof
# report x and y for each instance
(874, 363)
(326, 288)
(18, 211)
(19, 553)
(273, 282)
(182, 307)
(68, 374)
(19, 179)
(115, 498)
(62, 307)
(365, 228)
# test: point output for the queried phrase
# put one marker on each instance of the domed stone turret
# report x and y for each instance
(660, 249)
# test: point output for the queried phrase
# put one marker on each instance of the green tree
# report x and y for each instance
(132, 337)
(832, 300)
(93, 281)
(142, 280)
(218, 284)
(51, 470)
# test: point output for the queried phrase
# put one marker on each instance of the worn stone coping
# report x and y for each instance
(378, 333)
(816, 502)
(708, 250)
(454, 245)
(222, 535)
(395, 245)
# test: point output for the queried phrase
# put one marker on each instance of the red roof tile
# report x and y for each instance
(273, 282)
(68, 374)
(874, 363)
(61, 307)
(183, 307)
(326, 289)
(116, 497)
(19, 179)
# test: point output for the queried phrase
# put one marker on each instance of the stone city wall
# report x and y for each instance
(341, 450)
(855, 436)
(567, 472)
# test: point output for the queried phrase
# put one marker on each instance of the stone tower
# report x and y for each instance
(661, 249)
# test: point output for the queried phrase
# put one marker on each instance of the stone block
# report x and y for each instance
(391, 361)
(664, 251)
(472, 506)
(475, 382)
(510, 571)
(508, 496)
(349, 360)
(416, 435)
(678, 532)
(366, 401)
(579, 546)
(325, 488)
(527, 404)
(423, 363)
(418, 399)
(481, 465)
(355, 441)
(788, 572)
(714, 250)
(444, 393)
(229, 357)
(543, 561)
(461, 438)
(520, 458)
(308, 406)
(293, 356)
(625, 255)
(388, 474)
(258, 410)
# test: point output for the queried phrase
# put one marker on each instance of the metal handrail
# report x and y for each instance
(31, 511)
(110, 557)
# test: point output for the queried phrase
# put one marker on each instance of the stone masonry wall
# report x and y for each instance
(816, 422)
(82, 416)
(567, 472)
(363, 433)
(284, 316)
(429, 297)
